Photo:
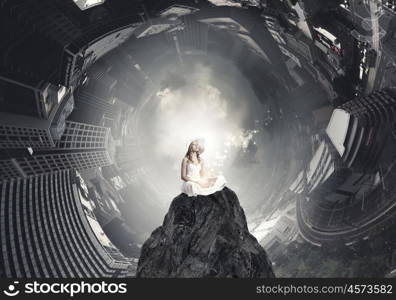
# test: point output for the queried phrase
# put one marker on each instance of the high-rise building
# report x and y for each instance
(40, 129)
(359, 128)
(48, 229)
(83, 146)
(83, 136)
(349, 154)
(38, 164)
(342, 189)
(281, 234)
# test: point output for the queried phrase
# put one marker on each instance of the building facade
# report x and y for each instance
(48, 230)
(83, 146)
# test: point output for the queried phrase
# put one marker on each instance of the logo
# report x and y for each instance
(12, 291)
(71, 289)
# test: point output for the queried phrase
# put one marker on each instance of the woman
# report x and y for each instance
(193, 172)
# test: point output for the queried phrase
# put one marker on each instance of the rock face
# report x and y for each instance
(204, 236)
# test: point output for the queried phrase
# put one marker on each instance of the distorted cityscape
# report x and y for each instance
(99, 100)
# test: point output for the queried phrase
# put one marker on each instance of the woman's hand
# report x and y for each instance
(207, 182)
(212, 180)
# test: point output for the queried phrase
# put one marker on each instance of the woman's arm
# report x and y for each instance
(202, 172)
(183, 174)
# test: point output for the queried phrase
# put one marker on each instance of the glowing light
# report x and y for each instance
(182, 110)
(198, 111)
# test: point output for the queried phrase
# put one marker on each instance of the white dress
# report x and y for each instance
(193, 189)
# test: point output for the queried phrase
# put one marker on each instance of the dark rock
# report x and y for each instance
(204, 236)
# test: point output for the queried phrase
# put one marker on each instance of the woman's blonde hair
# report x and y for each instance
(189, 151)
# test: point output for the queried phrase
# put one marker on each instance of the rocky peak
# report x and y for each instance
(204, 236)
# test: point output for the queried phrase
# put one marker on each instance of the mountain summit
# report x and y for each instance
(204, 236)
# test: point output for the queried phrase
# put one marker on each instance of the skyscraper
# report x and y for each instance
(359, 128)
(48, 229)
(82, 146)
(343, 194)
(42, 128)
